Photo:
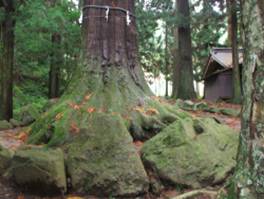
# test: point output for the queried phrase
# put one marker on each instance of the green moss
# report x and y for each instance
(5, 159)
(182, 155)
(4, 125)
(35, 167)
(98, 158)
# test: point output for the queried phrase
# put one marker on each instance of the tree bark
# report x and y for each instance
(7, 60)
(229, 23)
(249, 178)
(56, 62)
(183, 73)
(112, 42)
(235, 54)
(166, 62)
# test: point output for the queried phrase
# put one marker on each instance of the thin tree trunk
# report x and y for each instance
(176, 59)
(229, 22)
(235, 55)
(183, 86)
(56, 62)
(7, 60)
(249, 178)
(166, 61)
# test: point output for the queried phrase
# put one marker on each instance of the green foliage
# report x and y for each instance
(208, 26)
(208, 22)
(36, 21)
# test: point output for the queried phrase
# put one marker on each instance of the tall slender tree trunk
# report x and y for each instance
(250, 172)
(56, 59)
(229, 22)
(166, 62)
(7, 60)
(56, 62)
(183, 73)
(235, 55)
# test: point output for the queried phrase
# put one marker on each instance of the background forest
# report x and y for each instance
(38, 21)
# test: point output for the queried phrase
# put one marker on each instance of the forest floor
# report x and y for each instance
(14, 138)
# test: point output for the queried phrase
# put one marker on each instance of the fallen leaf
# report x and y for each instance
(74, 128)
(91, 109)
(152, 111)
(87, 97)
(74, 106)
(58, 116)
(22, 136)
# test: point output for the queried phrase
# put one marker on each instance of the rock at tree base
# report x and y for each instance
(5, 159)
(103, 161)
(4, 125)
(230, 112)
(27, 115)
(195, 153)
(42, 170)
(15, 123)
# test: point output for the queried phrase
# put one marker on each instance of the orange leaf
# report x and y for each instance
(74, 106)
(152, 111)
(91, 109)
(87, 97)
(22, 136)
(74, 128)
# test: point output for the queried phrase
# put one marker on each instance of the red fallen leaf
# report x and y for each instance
(91, 109)
(152, 111)
(74, 106)
(22, 136)
(74, 128)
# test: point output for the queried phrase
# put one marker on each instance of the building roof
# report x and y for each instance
(220, 59)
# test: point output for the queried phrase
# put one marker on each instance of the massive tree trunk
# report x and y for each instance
(106, 102)
(249, 178)
(7, 60)
(235, 55)
(183, 73)
(56, 62)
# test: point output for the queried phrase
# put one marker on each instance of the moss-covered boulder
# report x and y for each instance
(194, 153)
(5, 159)
(27, 114)
(40, 169)
(4, 125)
(102, 160)
(230, 112)
(15, 123)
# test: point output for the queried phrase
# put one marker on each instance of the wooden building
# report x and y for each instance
(218, 74)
